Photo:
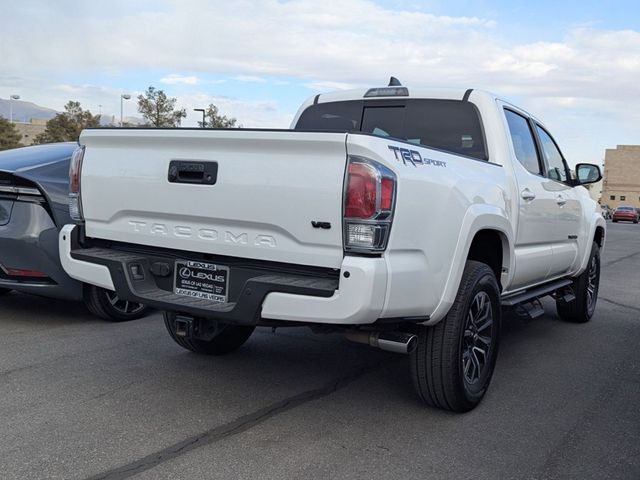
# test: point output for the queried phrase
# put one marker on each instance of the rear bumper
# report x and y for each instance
(257, 290)
(29, 241)
(625, 218)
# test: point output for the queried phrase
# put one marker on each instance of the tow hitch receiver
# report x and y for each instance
(184, 326)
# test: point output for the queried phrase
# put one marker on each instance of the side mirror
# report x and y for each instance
(587, 173)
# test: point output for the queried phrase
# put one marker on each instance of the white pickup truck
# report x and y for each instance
(404, 218)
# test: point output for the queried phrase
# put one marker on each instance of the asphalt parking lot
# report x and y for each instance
(81, 398)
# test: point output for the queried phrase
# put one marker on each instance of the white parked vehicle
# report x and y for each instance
(404, 218)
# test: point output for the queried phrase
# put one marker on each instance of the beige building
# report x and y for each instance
(621, 184)
(30, 130)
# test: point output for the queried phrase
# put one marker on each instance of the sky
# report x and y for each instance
(574, 65)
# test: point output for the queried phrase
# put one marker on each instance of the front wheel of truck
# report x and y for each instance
(229, 338)
(454, 359)
(585, 288)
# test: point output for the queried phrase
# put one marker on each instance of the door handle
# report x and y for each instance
(527, 194)
(560, 200)
(185, 171)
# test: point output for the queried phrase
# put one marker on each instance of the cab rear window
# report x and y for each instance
(450, 125)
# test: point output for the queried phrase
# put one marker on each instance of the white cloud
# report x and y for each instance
(326, 85)
(342, 43)
(174, 79)
(250, 78)
(251, 114)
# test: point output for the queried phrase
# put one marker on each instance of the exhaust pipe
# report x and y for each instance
(397, 342)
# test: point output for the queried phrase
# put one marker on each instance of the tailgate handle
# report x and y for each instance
(185, 171)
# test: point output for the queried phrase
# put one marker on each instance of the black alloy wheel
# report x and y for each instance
(107, 305)
(454, 360)
(125, 307)
(476, 342)
(585, 288)
(593, 282)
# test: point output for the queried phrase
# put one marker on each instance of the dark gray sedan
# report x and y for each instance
(34, 186)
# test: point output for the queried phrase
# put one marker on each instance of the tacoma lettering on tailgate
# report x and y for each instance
(183, 231)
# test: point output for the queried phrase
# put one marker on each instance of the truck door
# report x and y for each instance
(569, 211)
(537, 205)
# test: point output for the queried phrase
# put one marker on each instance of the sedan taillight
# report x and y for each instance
(75, 169)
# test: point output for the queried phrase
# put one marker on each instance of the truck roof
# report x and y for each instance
(414, 92)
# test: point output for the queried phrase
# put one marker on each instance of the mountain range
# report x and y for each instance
(23, 112)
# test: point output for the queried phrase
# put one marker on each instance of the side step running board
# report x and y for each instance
(530, 310)
(537, 292)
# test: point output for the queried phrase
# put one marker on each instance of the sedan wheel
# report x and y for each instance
(108, 306)
(124, 307)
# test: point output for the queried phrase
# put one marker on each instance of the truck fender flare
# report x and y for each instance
(596, 221)
(478, 217)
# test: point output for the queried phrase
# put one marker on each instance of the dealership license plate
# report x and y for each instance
(202, 280)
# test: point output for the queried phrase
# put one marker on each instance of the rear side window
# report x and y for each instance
(556, 169)
(384, 121)
(523, 142)
(450, 125)
(332, 116)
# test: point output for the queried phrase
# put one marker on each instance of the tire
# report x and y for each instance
(446, 366)
(585, 288)
(4, 291)
(106, 305)
(230, 338)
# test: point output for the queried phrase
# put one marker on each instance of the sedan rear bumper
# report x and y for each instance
(625, 218)
(29, 244)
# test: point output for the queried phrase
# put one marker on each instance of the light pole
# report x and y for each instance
(11, 99)
(124, 96)
(203, 116)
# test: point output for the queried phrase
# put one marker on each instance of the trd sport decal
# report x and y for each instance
(413, 157)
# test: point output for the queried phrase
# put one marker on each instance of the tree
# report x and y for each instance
(66, 126)
(214, 120)
(9, 135)
(158, 110)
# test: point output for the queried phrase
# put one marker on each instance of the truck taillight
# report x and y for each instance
(386, 193)
(361, 191)
(75, 169)
(369, 201)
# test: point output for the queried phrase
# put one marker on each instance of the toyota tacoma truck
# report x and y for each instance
(403, 218)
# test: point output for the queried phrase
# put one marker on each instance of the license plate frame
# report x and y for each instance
(203, 280)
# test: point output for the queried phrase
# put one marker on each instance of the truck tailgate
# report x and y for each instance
(270, 187)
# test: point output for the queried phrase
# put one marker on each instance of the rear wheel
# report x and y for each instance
(108, 306)
(585, 288)
(454, 359)
(227, 339)
(4, 291)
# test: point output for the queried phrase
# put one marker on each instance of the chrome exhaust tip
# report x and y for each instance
(397, 342)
